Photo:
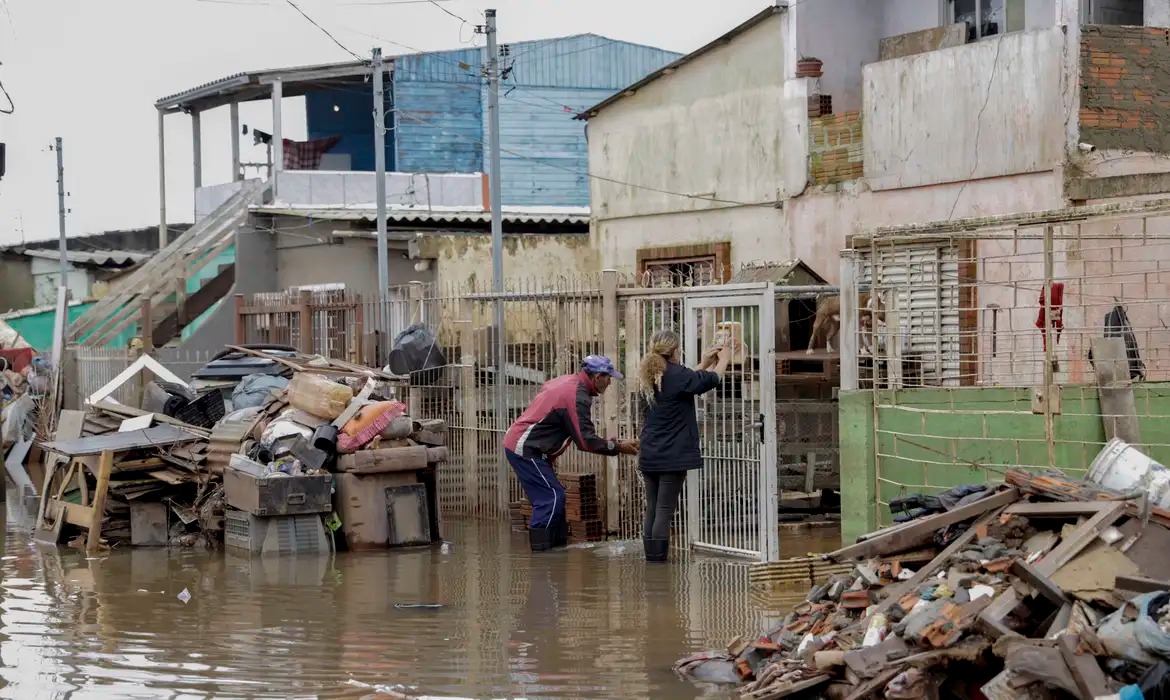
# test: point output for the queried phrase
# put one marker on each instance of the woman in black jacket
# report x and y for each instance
(670, 430)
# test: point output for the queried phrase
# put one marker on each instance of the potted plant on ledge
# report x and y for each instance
(809, 67)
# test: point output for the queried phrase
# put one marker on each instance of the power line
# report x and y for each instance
(436, 4)
(323, 30)
(578, 173)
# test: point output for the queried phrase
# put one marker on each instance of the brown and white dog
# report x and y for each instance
(827, 325)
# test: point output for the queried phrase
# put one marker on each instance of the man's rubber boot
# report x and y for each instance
(560, 536)
(657, 550)
(540, 539)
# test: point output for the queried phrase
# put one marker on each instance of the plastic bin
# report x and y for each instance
(285, 534)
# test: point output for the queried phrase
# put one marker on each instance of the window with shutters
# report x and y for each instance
(925, 288)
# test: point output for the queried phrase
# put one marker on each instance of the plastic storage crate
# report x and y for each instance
(282, 534)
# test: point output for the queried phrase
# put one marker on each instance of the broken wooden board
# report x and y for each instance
(1085, 669)
(896, 591)
(158, 436)
(919, 532)
(384, 461)
(1069, 547)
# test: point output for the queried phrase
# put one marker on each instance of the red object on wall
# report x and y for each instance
(1057, 313)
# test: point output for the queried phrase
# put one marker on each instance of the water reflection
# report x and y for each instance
(584, 623)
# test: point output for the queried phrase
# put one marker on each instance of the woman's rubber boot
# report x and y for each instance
(540, 539)
(657, 549)
(560, 536)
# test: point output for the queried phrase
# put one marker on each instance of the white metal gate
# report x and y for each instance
(732, 503)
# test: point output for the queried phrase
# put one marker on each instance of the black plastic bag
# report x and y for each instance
(416, 352)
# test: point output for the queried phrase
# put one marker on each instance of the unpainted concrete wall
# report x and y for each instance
(986, 109)
(464, 260)
(814, 227)
(723, 127)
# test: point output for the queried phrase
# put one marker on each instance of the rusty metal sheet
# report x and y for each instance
(158, 436)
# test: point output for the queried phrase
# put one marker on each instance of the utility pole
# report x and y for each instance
(493, 74)
(380, 196)
(64, 282)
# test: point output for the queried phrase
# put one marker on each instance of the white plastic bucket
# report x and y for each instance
(1122, 467)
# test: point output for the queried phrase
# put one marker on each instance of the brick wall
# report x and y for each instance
(1125, 88)
(835, 148)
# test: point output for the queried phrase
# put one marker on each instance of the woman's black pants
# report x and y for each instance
(662, 490)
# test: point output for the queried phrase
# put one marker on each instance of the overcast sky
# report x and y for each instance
(90, 71)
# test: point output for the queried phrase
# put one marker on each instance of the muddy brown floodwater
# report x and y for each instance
(580, 623)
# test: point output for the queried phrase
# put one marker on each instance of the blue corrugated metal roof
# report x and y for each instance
(582, 61)
(459, 65)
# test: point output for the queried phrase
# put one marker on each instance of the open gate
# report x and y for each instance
(733, 502)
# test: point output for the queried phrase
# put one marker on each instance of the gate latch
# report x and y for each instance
(759, 426)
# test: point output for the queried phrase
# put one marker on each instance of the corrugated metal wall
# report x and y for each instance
(439, 122)
(545, 157)
(440, 113)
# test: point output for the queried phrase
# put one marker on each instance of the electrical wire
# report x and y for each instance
(578, 173)
(323, 30)
(11, 105)
(436, 4)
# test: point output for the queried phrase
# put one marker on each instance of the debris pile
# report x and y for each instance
(259, 442)
(1040, 587)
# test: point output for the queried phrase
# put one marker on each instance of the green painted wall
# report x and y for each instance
(925, 440)
(37, 329)
(858, 482)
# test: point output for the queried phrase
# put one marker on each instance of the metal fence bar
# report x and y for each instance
(552, 323)
(983, 358)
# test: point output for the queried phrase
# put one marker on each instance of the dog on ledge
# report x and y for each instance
(827, 326)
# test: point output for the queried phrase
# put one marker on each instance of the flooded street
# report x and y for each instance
(581, 623)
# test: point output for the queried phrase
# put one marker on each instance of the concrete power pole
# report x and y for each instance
(380, 187)
(64, 282)
(493, 74)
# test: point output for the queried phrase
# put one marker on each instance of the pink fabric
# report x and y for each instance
(348, 445)
(306, 155)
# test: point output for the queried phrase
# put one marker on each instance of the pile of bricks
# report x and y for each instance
(582, 508)
(519, 513)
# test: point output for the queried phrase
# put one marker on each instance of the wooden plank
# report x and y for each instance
(898, 590)
(184, 265)
(99, 502)
(919, 532)
(1055, 508)
(74, 514)
(1063, 553)
(1141, 584)
(1118, 406)
(1040, 582)
(1085, 670)
(393, 459)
